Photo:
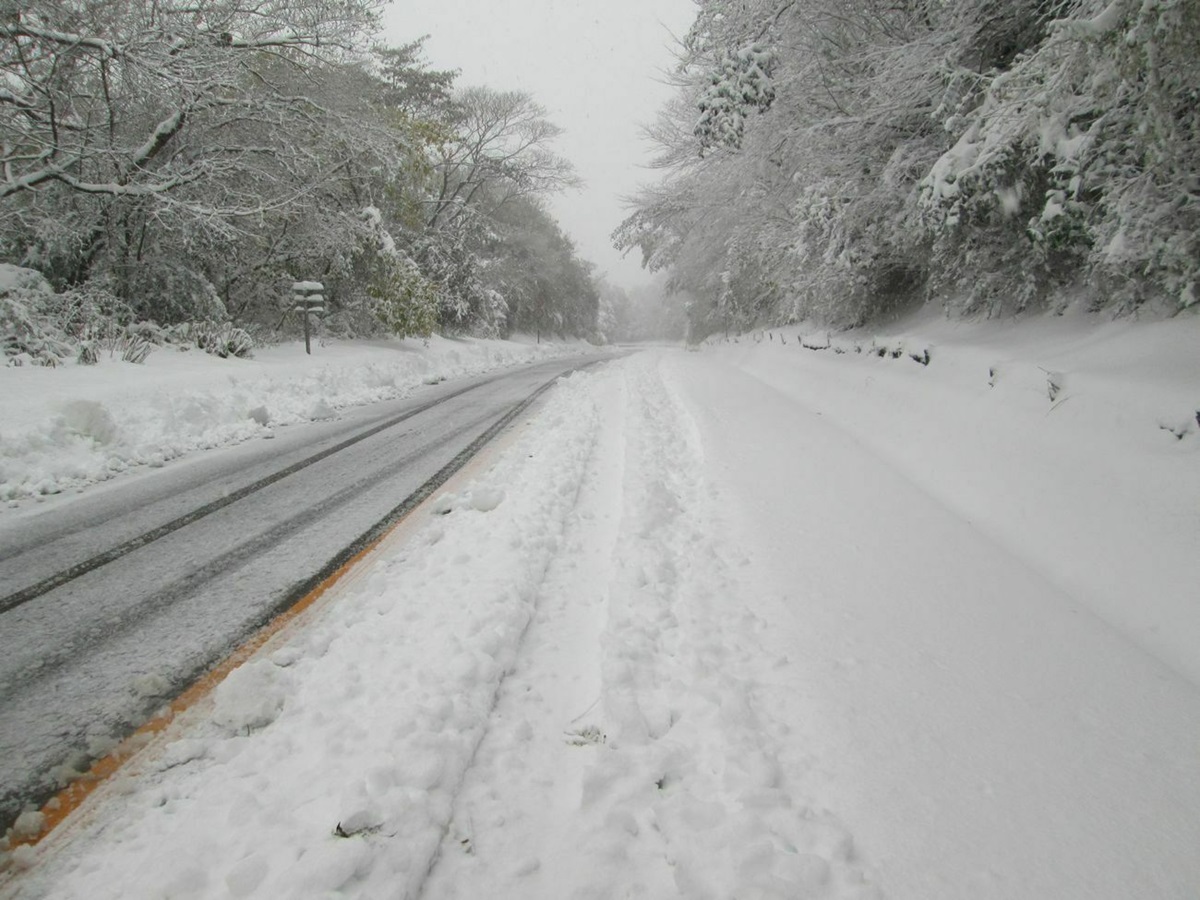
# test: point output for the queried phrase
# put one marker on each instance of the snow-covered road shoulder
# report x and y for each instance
(64, 428)
(1073, 443)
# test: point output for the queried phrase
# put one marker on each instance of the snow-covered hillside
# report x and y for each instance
(754, 621)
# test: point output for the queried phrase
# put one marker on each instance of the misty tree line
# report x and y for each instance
(838, 159)
(187, 161)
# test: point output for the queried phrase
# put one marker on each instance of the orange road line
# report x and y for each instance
(70, 798)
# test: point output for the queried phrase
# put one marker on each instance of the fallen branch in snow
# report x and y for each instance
(1055, 382)
(1178, 430)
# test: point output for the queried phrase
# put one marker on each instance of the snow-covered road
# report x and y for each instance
(694, 630)
(112, 605)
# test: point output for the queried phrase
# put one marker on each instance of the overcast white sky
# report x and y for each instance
(594, 64)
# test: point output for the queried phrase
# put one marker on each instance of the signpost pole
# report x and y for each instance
(309, 300)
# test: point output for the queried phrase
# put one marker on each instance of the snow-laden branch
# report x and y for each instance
(117, 189)
(30, 180)
(1099, 25)
(24, 103)
(163, 132)
(25, 30)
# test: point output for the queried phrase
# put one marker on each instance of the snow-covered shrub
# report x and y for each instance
(89, 311)
(404, 300)
(134, 349)
(149, 331)
(101, 323)
(88, 353)
(493, 316)
(1079, 162)
(218, 338)
(40, 326)
(383, 288)
(27, 332)
(739, 84)
(225, 340)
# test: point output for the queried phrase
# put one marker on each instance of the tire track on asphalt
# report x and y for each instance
(23, 596)
(102, 631)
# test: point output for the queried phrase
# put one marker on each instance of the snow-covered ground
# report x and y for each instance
(757, 621)
(68, 427)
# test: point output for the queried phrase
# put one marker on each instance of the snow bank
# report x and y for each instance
(987, 611)
(67, 427)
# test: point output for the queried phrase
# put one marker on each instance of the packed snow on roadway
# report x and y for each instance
(796, 615)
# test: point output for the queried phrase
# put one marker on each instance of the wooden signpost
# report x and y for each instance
(309, 301)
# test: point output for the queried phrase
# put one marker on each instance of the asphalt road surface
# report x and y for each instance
(112, 602)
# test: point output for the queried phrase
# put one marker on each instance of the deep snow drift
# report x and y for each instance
(757, 621)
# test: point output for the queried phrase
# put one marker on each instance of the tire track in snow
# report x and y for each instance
(480, 755)
(516, 821)
(695, 752)
(670, 784)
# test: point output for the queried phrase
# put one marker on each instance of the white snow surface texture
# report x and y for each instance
(68, 427)
(753, 622)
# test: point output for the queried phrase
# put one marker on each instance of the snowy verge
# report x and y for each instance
(67, 427)
(1073, 442)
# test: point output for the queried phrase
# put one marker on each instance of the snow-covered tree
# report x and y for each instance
(497, 158)
(148, 103)
(193, 161)
(838, 160)
(1080, 160)
(740, 83)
